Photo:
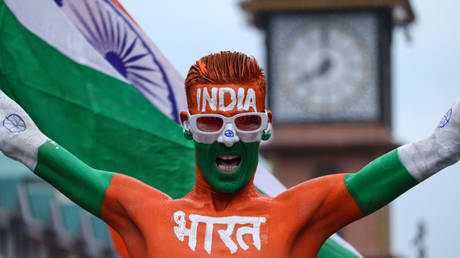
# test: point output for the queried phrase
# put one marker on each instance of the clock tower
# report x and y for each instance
(329, 88)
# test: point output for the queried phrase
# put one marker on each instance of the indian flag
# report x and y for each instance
(93, 81)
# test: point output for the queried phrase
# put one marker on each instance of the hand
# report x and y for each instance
(447, 133)
(426, 157)
(19, 136)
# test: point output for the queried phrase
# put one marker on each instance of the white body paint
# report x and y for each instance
(240, 99)
(250, 100)
(428, 156)
(225, 235)
(215, 100)
(211, 100)
(20, 145)
(231, 105)
(198, 99)
(228, 140)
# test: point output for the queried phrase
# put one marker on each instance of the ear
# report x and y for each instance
(183, 117)
(185, 126)
(270, 117)
(267, 132)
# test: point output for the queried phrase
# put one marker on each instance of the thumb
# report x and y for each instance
(19, 136)
(451, 120)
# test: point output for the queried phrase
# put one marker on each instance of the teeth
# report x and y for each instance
(228, 163)
(227, 169)
(228, 156)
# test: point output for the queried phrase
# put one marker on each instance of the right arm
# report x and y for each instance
(83, 184)
(20, 139)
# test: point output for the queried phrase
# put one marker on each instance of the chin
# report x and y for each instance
(227, 169)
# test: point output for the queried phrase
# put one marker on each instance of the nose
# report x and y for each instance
(228, 136)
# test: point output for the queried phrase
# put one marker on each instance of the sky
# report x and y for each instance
(426, 81)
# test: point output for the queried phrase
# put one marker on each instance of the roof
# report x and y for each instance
(402, 10)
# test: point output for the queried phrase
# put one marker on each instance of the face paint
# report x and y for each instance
(198, 98)
(240, 98)
(250, 101)
(228, 162)
(207, 157)
(209, 127)
(222, 102)
(226, 98)
(210, 101)
(222, 93)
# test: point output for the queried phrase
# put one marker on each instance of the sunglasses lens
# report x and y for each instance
(209, 124)
(248, 123)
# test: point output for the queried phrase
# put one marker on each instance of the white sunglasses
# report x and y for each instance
(206, 128)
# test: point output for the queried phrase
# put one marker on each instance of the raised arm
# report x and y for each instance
(336, 200)
(397, 171)
(20, 139)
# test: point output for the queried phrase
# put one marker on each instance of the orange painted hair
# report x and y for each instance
(225, 67)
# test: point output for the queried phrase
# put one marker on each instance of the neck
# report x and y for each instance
(216, 200)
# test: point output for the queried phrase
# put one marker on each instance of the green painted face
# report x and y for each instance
(227, 183)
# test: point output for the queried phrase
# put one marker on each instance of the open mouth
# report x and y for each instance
(228, 163)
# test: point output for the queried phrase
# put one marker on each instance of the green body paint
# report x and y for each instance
(227, 183)
(380, 182)
(82, 184)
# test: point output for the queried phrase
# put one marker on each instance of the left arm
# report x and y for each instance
(326, 204)
(389, 176)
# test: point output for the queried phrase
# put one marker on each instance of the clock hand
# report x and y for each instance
(325, 66)
(325, 40)
(307, 76)
(320, 70)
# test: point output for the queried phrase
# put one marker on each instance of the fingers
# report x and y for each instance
(19, 136)
(451, 119)
(456, 111)
(13, 119)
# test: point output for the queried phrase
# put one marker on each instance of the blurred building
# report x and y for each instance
(329, 88)
(38, 222)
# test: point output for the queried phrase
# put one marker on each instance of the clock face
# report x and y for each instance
(324, 68)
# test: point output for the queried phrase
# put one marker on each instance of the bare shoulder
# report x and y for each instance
(124, 198)
(316, 189)
(129, 189)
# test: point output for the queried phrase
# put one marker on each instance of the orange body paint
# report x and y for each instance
(244, 224)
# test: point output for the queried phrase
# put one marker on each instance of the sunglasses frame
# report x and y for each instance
(209, 137)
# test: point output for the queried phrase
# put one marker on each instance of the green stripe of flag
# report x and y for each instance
(94, 116)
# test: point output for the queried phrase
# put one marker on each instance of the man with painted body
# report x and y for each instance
(224, 215)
